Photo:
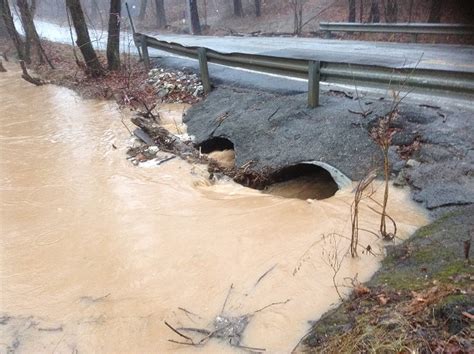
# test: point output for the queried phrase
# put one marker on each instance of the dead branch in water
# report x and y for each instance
(2, 69)
(227, 298)
(27, 77)
(264, 275)
(226, 328)
(270, 305)
(359, 195)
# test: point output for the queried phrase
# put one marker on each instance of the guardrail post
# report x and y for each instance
(313, 83)
(204, 69)
(146, 57)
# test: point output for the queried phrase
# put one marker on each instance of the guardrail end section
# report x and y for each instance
(204, 69)
(314, 75)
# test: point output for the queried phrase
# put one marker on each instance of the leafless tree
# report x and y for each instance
(297, 7)
(143, 5)
(352, 11)
(258, 8)
(410, 10)
(435, 11)
(7, 19)
(374, 16)
(113, 40)
(238, 10)
(32, 39)
(390, 10)
(83, 39)
(160, 13)
(194, 17)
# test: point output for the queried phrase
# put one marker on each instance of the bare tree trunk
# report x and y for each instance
(238, 10)
(83, 39)
(297, 16)
(31, 35)
(10, 27)
(352, 11)
(435, 12)
(391, 11)
(33, 8)
(143, 6)
(410, 11)
(3, 27)
(374, 16)
(258, 8)
(361, 11)
(160, 13)
(113, 40)
(194, 17)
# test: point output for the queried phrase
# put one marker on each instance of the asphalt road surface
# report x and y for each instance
(394, 55)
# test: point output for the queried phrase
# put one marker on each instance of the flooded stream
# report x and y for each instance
(95, 253)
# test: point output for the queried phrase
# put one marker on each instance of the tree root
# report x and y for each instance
(27, 77)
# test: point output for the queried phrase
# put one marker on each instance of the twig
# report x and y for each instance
(264, 275)
(183, 343)
(252, 349)
(347, 95)
(270, 305)
(189, 312)
(121, 120)
(363, 114)
(271, 115)
(227, 298)
(178, 332)
(197, 330)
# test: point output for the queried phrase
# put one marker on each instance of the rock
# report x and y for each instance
(400, 180)
(199, 90)
(412, 163)
(162, 93)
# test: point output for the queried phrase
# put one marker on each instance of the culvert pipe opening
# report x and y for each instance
(220, 150)
(302, 181)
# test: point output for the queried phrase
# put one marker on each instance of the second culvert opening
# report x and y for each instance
(220, 150)
(302, 181)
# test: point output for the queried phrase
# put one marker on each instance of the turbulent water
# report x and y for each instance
(95, 253)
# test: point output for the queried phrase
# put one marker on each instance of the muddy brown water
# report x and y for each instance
(95, 253)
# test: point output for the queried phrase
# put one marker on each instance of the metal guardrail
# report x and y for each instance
(410, 28)
(418, 80)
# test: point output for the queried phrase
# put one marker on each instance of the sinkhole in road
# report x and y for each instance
(302, 180)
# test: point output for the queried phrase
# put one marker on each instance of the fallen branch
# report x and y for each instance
(179, 334)
(270, 305)
(27, 77)
(363, 114)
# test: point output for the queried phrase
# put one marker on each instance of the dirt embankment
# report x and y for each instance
(422, 299)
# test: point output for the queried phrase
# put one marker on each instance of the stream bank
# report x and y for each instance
(421, 300)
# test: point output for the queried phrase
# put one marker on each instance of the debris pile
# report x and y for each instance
(176, 86)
